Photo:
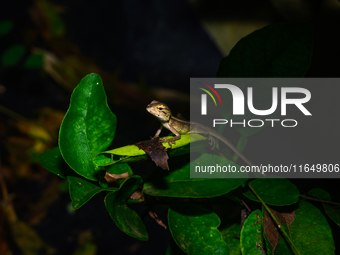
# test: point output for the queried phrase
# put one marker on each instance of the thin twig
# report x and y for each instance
(244, 203)
(286, 236)
(319, 200)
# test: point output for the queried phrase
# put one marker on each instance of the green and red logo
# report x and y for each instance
(204, 97)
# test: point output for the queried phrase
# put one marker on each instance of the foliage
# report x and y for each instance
(205, 225)
(15, 53)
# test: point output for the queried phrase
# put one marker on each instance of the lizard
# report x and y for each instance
(180, 127)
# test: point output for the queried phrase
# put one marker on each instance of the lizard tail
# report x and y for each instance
(231, 146)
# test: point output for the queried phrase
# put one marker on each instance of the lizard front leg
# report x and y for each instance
(158, 132)
(173, 139)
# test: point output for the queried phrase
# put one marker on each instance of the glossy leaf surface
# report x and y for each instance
(54, 162)
(194, 229)
(278, 191)
(126, 219)
(131, 153)
(251, 234)
(81, 191)
(88, 127)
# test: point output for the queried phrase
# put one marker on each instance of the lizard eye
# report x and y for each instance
(160, 108)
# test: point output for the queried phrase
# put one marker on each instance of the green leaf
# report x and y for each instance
(194, 229)
(88, 127)
(278, 191)
(131, 153)
(281, 247)
(320, 194)
(13, 55)
(119, 169)
(229, 235)
(177, 182)
(126, 219)
(5, 27)
(251, 234)
(310, 231)
(262, 98)
(240, 146)
(249, 131)
(81, 191)
(333, 211)
(34, 61)
(54, 162)
(277, 50)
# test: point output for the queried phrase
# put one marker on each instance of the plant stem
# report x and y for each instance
(319, 200)
(286, 236)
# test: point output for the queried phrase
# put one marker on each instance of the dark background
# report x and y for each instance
(143, 50)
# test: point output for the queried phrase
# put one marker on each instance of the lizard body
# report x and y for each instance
(180, 127)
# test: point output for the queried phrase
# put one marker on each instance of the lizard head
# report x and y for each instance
(160, 110)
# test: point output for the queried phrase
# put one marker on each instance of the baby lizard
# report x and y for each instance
(180, 127)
